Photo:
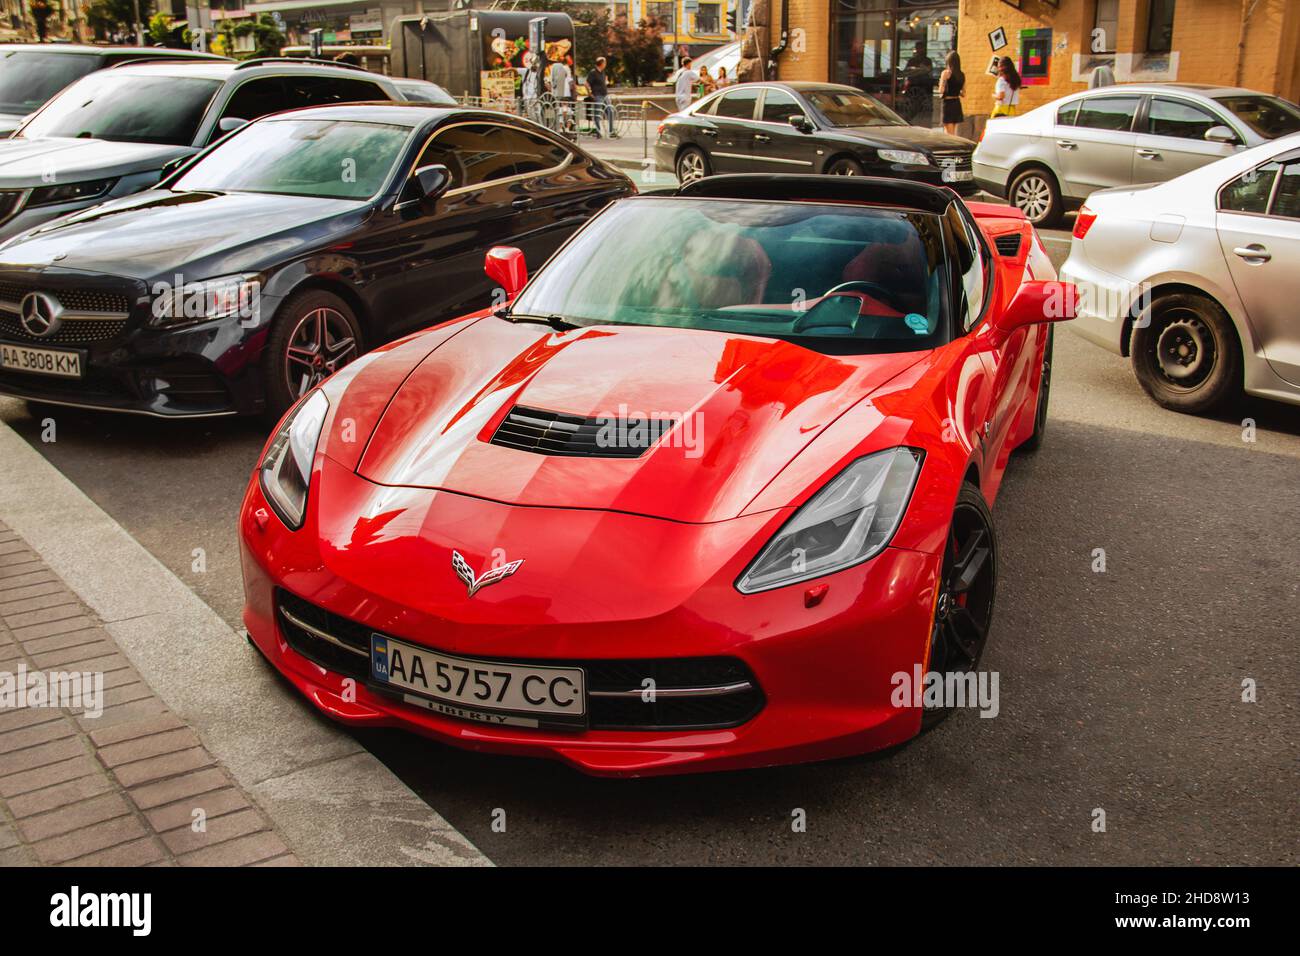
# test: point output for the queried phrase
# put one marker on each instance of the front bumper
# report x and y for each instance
(204, 370)
(825, 672)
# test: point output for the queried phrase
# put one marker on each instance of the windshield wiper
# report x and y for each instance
(557, 322)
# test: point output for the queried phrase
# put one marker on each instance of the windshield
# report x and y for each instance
(844, 279)
(851, 108)
(1269, 116)
(334, 159)
(29, 78)
(127, 108)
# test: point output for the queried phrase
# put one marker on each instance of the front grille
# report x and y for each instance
(613, 686)
(956, 160)
(554, 433)
(1008, 244)
(78, 332)
(74, 300)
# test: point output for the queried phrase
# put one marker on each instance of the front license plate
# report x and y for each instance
(959, 175)
(19, 358)
(472, 689)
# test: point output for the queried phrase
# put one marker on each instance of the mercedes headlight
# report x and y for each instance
(907, 156)
(69, 192)
(286, 467)
(189, 302)
(847, 522)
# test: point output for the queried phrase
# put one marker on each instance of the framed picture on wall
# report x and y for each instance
(998, 39)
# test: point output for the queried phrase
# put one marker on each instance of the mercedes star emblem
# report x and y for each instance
(39, 314)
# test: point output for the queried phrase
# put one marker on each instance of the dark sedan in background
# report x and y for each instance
(281, 254)
(807, 127)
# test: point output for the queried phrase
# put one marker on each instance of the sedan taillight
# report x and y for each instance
(1081, 225)
(660, 130)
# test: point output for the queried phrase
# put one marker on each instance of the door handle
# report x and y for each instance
(1253, 253)
(762, 138)
(1148, 154)
(522, 201)
(710, 132)
(1067, 144)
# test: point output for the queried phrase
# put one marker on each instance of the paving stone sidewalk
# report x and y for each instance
(118, 789)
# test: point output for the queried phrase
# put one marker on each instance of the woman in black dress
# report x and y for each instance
(952, 87)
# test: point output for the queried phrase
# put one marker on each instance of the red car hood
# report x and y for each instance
(747, 407)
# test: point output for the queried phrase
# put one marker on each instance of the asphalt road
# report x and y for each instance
(1119, 690)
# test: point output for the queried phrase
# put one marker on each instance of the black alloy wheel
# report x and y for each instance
(963, 610)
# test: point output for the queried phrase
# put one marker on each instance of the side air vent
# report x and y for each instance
(1008, 244)
(552, 433)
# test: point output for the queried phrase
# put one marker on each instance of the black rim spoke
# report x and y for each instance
(970, 561)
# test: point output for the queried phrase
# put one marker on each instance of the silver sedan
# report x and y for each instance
(1051, 158)
(1197, 280)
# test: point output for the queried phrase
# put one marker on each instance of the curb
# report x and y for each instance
(329, 798)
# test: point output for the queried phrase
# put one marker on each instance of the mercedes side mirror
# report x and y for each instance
(425, 186)
(1038, 302)
(228, 124)
(505, 266)
(1221, 134)
(801, 123)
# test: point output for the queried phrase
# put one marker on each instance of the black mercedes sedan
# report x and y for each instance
(807, 127)
(281, 253)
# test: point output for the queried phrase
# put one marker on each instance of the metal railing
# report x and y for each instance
(571, 118)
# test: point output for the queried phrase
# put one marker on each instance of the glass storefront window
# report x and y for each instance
(895, 52)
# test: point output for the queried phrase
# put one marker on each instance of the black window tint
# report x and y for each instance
(481, 152)
(779, 106)
(532, 154)
(738, 104)
(1107, 112)
(1250, 191)
(1286, 201)
(257, 98)
(1175, 118)
(1066, 114)
(322, 90)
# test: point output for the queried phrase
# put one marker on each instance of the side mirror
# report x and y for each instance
(1221, 134)
(505, 265)
(1037, 302)
(425, 186)
(801, 123)
(228, 124)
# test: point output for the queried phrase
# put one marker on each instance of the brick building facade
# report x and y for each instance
(886, 46)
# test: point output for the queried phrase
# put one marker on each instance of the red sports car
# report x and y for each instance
(693, 499)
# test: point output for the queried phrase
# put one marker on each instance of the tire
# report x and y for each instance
(289, 367)
(963, 609)
(692, 164)
(1035, 439)
(1035, 192)
(845, 166)
(1188, 357)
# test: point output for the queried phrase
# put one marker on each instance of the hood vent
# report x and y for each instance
(552, 433)
(1008, 244)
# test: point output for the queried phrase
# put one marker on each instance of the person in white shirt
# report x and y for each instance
(1006, 92)
(687, 77)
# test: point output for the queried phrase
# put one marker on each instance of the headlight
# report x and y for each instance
(847, 522)
(903, 156)
(189, 302)
(69, 192)
(286, 468)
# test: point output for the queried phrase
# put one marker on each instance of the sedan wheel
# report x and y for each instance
(1186, 354)
(321, 343)
(691, 165)
(315, 334)
(1034, 193)
(963, 610)
(845, 167)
